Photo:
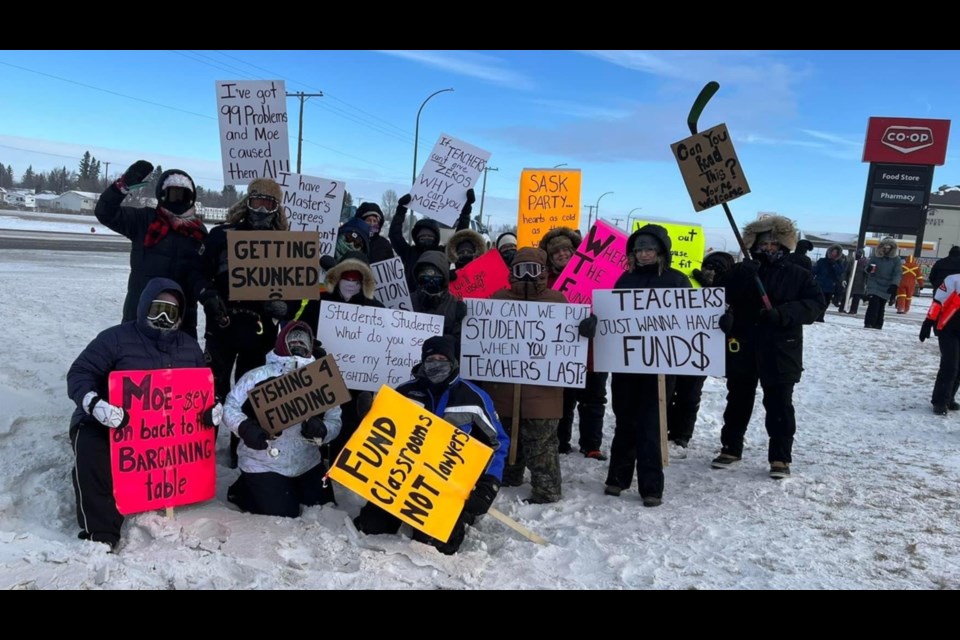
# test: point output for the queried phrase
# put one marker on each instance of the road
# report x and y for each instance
(56, 241)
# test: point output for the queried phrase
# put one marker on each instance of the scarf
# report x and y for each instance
(188, 225)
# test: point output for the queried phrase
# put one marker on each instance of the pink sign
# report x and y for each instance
(597, 264)
(165, 456)
(482, 277)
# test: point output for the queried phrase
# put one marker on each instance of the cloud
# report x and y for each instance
(828, 144)
(579, 110)
(475, 65)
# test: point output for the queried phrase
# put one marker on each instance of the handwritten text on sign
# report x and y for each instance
(165, 456)
(597, 264)
(440, 190)
(313, 204)
(672, 331)
(374, 346)
(710, 168)
(272, 265)
(524, 342)
(392, 290)
(412, 464)
(482, 277)
(549, 198)
(298, 395)
(687, 244)
(253, 129)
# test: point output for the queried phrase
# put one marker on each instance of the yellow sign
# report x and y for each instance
(549, 198)
(412, 464)
(687, 243)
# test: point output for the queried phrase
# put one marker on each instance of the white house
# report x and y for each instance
(45, 201)
(82, 201)
(21, 198)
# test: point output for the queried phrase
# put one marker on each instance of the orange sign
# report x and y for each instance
(549, 198)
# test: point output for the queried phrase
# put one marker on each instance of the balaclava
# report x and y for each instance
(176, 192)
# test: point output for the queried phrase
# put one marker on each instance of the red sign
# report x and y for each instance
(906, 141)
(482, 277)
(165, 456)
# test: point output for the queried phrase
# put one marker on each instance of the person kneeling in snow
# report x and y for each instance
(438, 387)
(279, 475)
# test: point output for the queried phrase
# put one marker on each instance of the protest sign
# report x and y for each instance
(710, 168)
(313, 204)
(374, 346)
(412, 464)
(481, 277)
(687, 245)
(165, 456)
(440, 191)
(597, 264)
(524, 342)
(273, 265)
(392, 288)
(298, 395)
(253, 129)
(671, 331)
(548, 198)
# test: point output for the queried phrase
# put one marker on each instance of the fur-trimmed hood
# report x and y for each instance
(831, 248)
(891, 248)
(559, 237)
(662, 237)
(262, 186)
(465, 235)
(351, 263)
(783, 229)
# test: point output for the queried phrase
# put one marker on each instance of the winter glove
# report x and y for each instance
(253, 435)
(468, 204)
(276, 309)
(892, 290)
(751, 266)
(364, 402)
(588, 326)
(327, 262)
(319, 352)
(214, 306)
(725, 322)
(104, 412)
(402, 204)
(925, 329)
(702, 279)
(772, 317)
(314, 429)
(212, 416)
(482, 496)
(133, 176)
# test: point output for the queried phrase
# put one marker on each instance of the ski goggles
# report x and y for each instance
(263, 204)
(163, 313)
(526, 270)
(177, 194)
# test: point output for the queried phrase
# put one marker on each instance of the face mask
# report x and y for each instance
(342, 249)
(374, 223)
(431, 285)
(261, 219)
(508, 255)
(348, 288)
(425, 239)
(437, 371)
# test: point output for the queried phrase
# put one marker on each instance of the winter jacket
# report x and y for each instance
(445, 304)
(467, 407)
(829, 274)
(411, 253)
(799, 257)
(536, 401)
(297, 455)
(130, 346)
(883, 272)
(353, 261)
(943, 268)
(380, 248)
(175, 257)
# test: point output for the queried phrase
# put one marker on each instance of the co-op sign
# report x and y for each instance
(906, 141)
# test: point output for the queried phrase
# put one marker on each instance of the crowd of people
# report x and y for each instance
(176, 264)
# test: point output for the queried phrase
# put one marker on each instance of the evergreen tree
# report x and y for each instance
(29, 178)
(348, 209)
(84, 169)
(228, 196)
(9, 180)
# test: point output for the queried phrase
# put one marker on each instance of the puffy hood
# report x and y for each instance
(367, 208)
(353, 261)
(154, 288)
(530, 254)
(426, 223)
(834, 247)
(434, 259)
(886, 249)
(719, 262)
(559, 237)
(507, 238)
(362, 229)
(783, 229)
(265, 187)
(465, 235)
(280, 346)
(662, 237)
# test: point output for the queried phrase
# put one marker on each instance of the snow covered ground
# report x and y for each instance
(872, 504)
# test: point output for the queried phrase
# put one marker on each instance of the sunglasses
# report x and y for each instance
(263, 204)
(163, 314)
(526, 269)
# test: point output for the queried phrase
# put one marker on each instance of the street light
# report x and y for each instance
(416, 134)
(630, 215)
(483, 192)
(596, 210)
(557, 166)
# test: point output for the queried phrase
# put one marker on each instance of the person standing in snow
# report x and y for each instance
(884, 270)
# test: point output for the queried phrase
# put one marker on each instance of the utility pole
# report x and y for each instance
(590, 217)
(483, 192)
(303, 98)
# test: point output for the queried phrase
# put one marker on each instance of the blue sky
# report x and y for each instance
(797, 118)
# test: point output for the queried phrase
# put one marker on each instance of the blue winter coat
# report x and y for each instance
(130, 346)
